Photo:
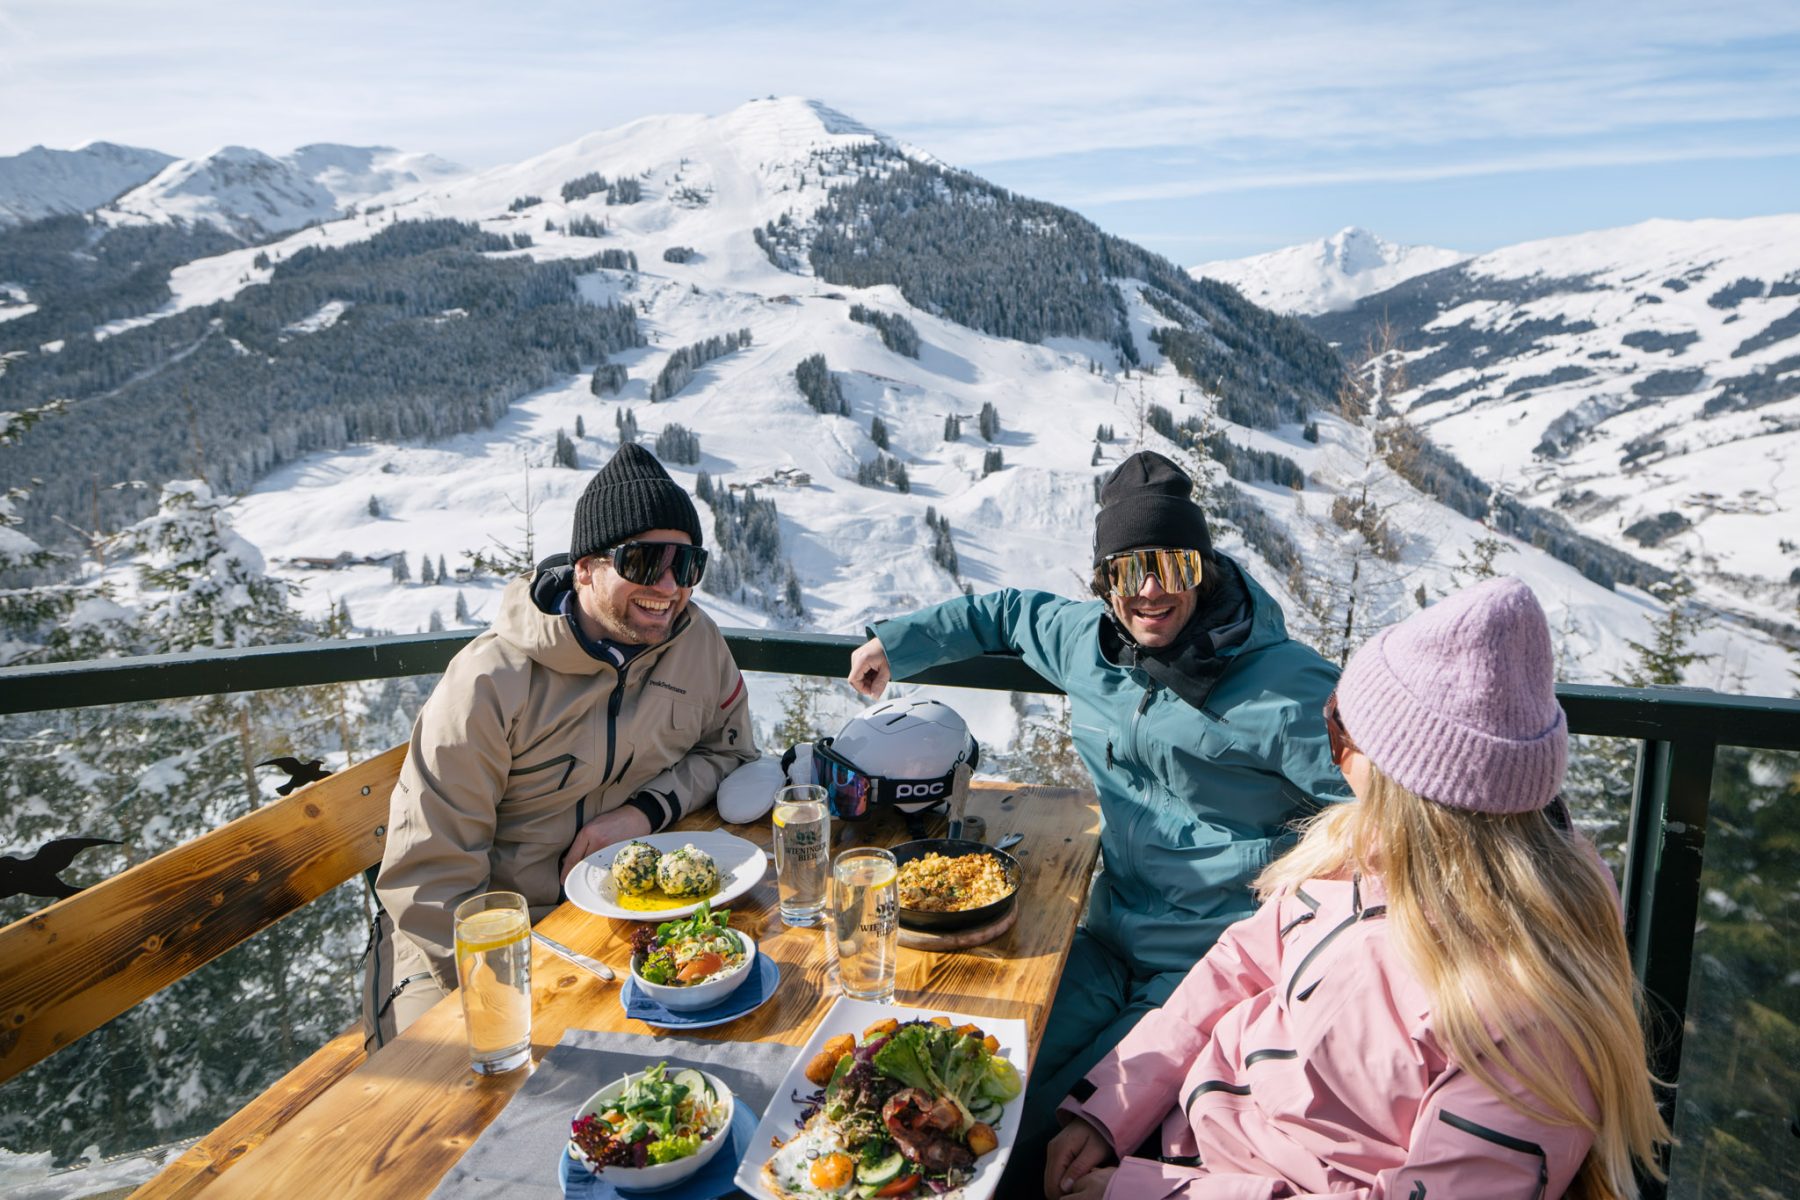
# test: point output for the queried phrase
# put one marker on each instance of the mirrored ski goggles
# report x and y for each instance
(852, 791)
(643, 563)
(1175, 570)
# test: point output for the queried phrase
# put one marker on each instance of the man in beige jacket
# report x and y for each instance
(601, 705)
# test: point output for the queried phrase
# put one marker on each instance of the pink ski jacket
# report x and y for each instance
(1298, 1059)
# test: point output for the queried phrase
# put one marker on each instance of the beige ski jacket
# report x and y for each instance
(527, 737)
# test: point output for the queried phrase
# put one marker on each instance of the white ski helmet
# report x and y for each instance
(909, 748)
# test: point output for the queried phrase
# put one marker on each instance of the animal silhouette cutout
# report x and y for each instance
(299, 773)
(36, 875)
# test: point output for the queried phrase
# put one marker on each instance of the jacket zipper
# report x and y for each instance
(1506, 1140)
(1358, 914)
(614, 703)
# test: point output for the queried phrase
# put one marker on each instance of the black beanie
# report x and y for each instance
(1144, 502)
(629, 495)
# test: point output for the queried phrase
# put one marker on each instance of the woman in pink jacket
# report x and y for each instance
(1434, 1002)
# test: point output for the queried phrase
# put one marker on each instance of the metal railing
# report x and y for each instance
(1679, 731)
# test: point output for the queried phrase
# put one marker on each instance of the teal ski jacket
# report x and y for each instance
(1193, 801)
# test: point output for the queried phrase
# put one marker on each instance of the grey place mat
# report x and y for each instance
(516, 1156)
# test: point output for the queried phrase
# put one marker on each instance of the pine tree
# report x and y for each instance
(437, 622)
(461, 615)
(426, 578)
(992, 461)
(703, 488)
(1665, 658)
(402, 573)
(878, 432)
(799, 713)
(441, 573)
(564, 454)
(952, 427)
(989, 423)
(375, 507)
(580, 427)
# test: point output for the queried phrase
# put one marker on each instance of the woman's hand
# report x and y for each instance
(1069, 1164)
(1091, 1186)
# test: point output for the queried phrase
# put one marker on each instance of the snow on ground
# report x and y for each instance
(1328, 275)
(861, 553)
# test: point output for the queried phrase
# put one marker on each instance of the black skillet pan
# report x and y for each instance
(944, 922)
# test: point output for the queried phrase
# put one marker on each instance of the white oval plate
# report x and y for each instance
(741, 867)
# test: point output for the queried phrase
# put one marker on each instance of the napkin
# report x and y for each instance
(746, 996)
(516, 1156)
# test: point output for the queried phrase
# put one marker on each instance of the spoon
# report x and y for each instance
(1009, 841)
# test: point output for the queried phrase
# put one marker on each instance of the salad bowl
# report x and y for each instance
(628, 1097)
(680, 938)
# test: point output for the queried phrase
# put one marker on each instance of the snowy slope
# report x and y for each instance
(861, 553)
(43, 182)
(252, 194)
(1327, 275)
(1642, 381)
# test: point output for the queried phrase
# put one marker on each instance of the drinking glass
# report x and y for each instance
(493, 972)
(802, 822)
(865, 926)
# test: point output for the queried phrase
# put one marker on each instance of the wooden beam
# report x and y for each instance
(71, 967)
(245, 1130)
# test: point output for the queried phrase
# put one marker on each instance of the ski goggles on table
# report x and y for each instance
(1175, 570)
(643, 563)
(852, 791)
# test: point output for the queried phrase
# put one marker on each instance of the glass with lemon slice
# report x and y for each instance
(493, 971)
(802, 863)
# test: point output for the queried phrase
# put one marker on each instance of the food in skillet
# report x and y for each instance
(907, 1110)
(937, 883)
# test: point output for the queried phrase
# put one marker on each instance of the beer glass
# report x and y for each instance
(493, 973)
(802, 827)
(865, 922)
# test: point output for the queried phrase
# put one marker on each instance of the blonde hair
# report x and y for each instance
(1512, 927)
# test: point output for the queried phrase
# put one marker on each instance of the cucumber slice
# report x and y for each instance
(987, 1111)
(885, 1171)
(693, 1081)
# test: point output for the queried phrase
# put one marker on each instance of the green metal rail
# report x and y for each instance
(1679, 731)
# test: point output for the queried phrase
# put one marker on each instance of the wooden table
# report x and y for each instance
(396, 1124)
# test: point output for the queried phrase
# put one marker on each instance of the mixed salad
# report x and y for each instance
(687, 951)
(906, 1110)
(658, 1118)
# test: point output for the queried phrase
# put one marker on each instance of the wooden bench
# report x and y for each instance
(76, 964)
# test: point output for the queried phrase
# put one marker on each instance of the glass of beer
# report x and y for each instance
(865, 922)
(493, 973)
(802, 824)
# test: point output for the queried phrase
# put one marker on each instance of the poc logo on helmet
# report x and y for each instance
(919, 791)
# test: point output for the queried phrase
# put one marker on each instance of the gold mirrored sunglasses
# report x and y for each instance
(1175, 570)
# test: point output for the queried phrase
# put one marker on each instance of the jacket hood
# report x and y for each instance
(531, 620)
(1238, 617)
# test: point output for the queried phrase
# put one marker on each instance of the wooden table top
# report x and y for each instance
(394, 1126)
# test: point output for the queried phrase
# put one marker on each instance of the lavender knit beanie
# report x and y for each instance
(1458, 703)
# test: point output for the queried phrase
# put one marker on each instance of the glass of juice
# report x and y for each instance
(802, 836)
(493, 972)
(865, 926)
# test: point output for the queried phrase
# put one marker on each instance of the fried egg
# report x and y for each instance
(813, 1162)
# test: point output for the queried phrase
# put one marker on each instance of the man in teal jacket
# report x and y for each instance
(1201, 723)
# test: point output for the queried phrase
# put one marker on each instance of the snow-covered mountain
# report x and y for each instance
(1642, 382)
(42, 182)
(252, 194)
(783, 218)
(1328, 275)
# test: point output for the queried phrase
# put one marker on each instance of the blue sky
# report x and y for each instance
(1202, 130)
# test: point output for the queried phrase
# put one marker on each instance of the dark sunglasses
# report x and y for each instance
(643, 563)
(1339, 737)
(1175, 570)
(852, 790)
